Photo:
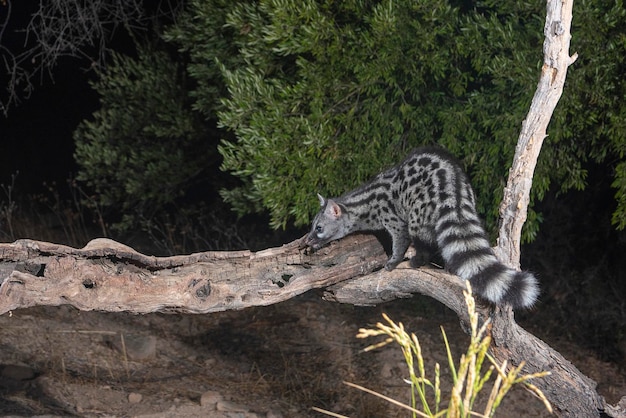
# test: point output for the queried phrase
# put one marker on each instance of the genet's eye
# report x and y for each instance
(318, 229)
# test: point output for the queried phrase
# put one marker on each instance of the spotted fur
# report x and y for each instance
(428, 200)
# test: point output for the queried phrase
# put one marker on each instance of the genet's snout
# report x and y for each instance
(309, 241)
(313, 241)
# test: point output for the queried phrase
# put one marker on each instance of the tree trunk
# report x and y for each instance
(556, 60)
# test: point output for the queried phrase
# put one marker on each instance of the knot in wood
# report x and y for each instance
(203, 291)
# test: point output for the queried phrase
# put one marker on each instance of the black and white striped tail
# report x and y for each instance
(467, 253)
(500, 284)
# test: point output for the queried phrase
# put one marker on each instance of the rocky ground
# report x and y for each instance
(276, 361)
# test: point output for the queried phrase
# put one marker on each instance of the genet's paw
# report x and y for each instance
(391, 264)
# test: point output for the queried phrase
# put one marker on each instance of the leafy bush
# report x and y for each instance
(322, 95)
(318, 96)
(144, 145)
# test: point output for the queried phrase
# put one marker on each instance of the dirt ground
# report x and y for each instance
(275, 361)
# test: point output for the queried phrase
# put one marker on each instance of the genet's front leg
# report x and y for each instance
(400, 241)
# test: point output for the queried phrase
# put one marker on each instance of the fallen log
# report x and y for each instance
(109, 276)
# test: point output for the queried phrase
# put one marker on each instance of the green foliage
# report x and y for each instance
(201, 35)
(331, 93)
(619, 216)
(143, 144)
(321, 95)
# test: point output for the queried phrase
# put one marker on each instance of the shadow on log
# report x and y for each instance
(108, 276)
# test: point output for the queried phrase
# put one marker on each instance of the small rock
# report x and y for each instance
(386, 371)
(134, 397)
(210, 399)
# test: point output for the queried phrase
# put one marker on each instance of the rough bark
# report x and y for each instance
(556, 60)
(108, 276)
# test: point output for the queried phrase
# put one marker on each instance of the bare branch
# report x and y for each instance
(66, 28)
(514, 206)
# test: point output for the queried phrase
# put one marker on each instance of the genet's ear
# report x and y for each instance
(322, 200)
(333, 210)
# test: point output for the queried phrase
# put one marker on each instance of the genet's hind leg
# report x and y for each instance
(424, 253)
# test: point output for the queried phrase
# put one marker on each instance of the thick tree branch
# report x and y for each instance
(109, 276)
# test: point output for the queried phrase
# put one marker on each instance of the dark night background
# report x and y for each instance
(37, 134)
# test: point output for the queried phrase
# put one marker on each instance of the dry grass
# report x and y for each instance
(475, 368)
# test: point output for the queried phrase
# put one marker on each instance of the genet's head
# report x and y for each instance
(328, 224)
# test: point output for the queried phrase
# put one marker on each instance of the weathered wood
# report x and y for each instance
(403, 282)
(108, 276)
(556, 61)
